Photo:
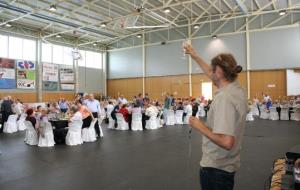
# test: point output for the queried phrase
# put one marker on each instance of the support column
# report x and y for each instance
(75, 68)
(39, 71)
(144, 62)
(104, 71)
(248, 58)
(190, 59)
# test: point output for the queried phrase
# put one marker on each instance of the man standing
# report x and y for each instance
(94, 106)
(6, 110)
(224, 129)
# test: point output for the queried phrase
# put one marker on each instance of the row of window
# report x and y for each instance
(18, 48)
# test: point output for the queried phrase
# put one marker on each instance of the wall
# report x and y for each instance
(90, 80)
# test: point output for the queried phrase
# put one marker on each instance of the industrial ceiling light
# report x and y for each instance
(95, 44)
(282, 12)
(214, 37)
(8, 25)
(52, 8)
(103, 24)
(196, 26)
(58, 36)
(139, 35)
(167, 10)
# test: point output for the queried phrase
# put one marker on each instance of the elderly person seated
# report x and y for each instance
(124, 111)
(87, 116)
(30, 117)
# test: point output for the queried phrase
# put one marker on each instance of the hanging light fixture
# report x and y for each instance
(52, 8)
(139, 35)
(282, 12)
(214, 37)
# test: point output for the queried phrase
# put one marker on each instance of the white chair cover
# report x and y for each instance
(249, 117)
(122, 124)
(151, 123)
(31, 136)
(263, 112)
(20, 122)
(254, 110)
(201, 111)
(74, 133)
(136, 124)
(284, 114)
(178, 116)
(11, 125)
(160, 122)
(111, 122)
(170, 117)
(273, 114)
(296, 115)
(100, 127)
(89, 134)
(48, 139)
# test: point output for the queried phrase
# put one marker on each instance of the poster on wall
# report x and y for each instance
(7, 74)
(67, 87)
(25, 74)
(66, 75)
(50, 86)
(50, 72)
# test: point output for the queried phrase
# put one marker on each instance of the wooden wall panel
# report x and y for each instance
(23, 96)
(55, 96)
(127, 87)
(272, 83)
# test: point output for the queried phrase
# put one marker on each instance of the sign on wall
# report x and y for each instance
(7, 73)
(50, 72)
(66, 75)
(67, 86)
(51, 86)
(25, 74)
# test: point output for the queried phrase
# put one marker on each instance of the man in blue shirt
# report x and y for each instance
(94, 106)
(63, 105)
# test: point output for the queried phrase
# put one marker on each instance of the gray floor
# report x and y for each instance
(149, 160)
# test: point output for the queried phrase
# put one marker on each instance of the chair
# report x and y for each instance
(111, 122)
(178, 116)
(47, 139)
(284, 114)
(20, 123)
(249, 116)
(74, 133)
(296, 115)
(160, 122)
(201, 111)
(31, 137)
(273, 114)
(254, 110)
(122, 124)
(263, 113)
(151, 123)
(170, 117)
(89, 134)
(136, 124)
(100, 119)
(11, 125)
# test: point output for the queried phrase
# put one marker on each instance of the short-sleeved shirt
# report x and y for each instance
(227, 116)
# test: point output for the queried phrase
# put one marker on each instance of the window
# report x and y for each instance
(68, 57)
(29, 50)
(81, 62)
(3, 46)
(58, 53)
(90, 59)
(47, 53)
(207, 90)
(15, 48)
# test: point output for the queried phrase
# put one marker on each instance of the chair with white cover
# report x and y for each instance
(122, 124)
(20, 122)
(296, 115)
(254, 110)
(151, 123)
(263, 113)
(46, 139)
(89, 133)
(74, 133)
(31, 136)
(100, 119)
(284, 114)
(178, 116)
(249, 116)
(136, 123)
(170, 117)
(160, 122)
(111, 122)
(11, 125)
(201, 111)
(273, 114)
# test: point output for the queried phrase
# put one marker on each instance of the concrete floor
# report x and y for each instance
(148, 160)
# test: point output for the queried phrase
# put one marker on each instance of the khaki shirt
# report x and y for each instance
(227, 115)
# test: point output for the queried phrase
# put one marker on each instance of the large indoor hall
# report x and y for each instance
(150, 94)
